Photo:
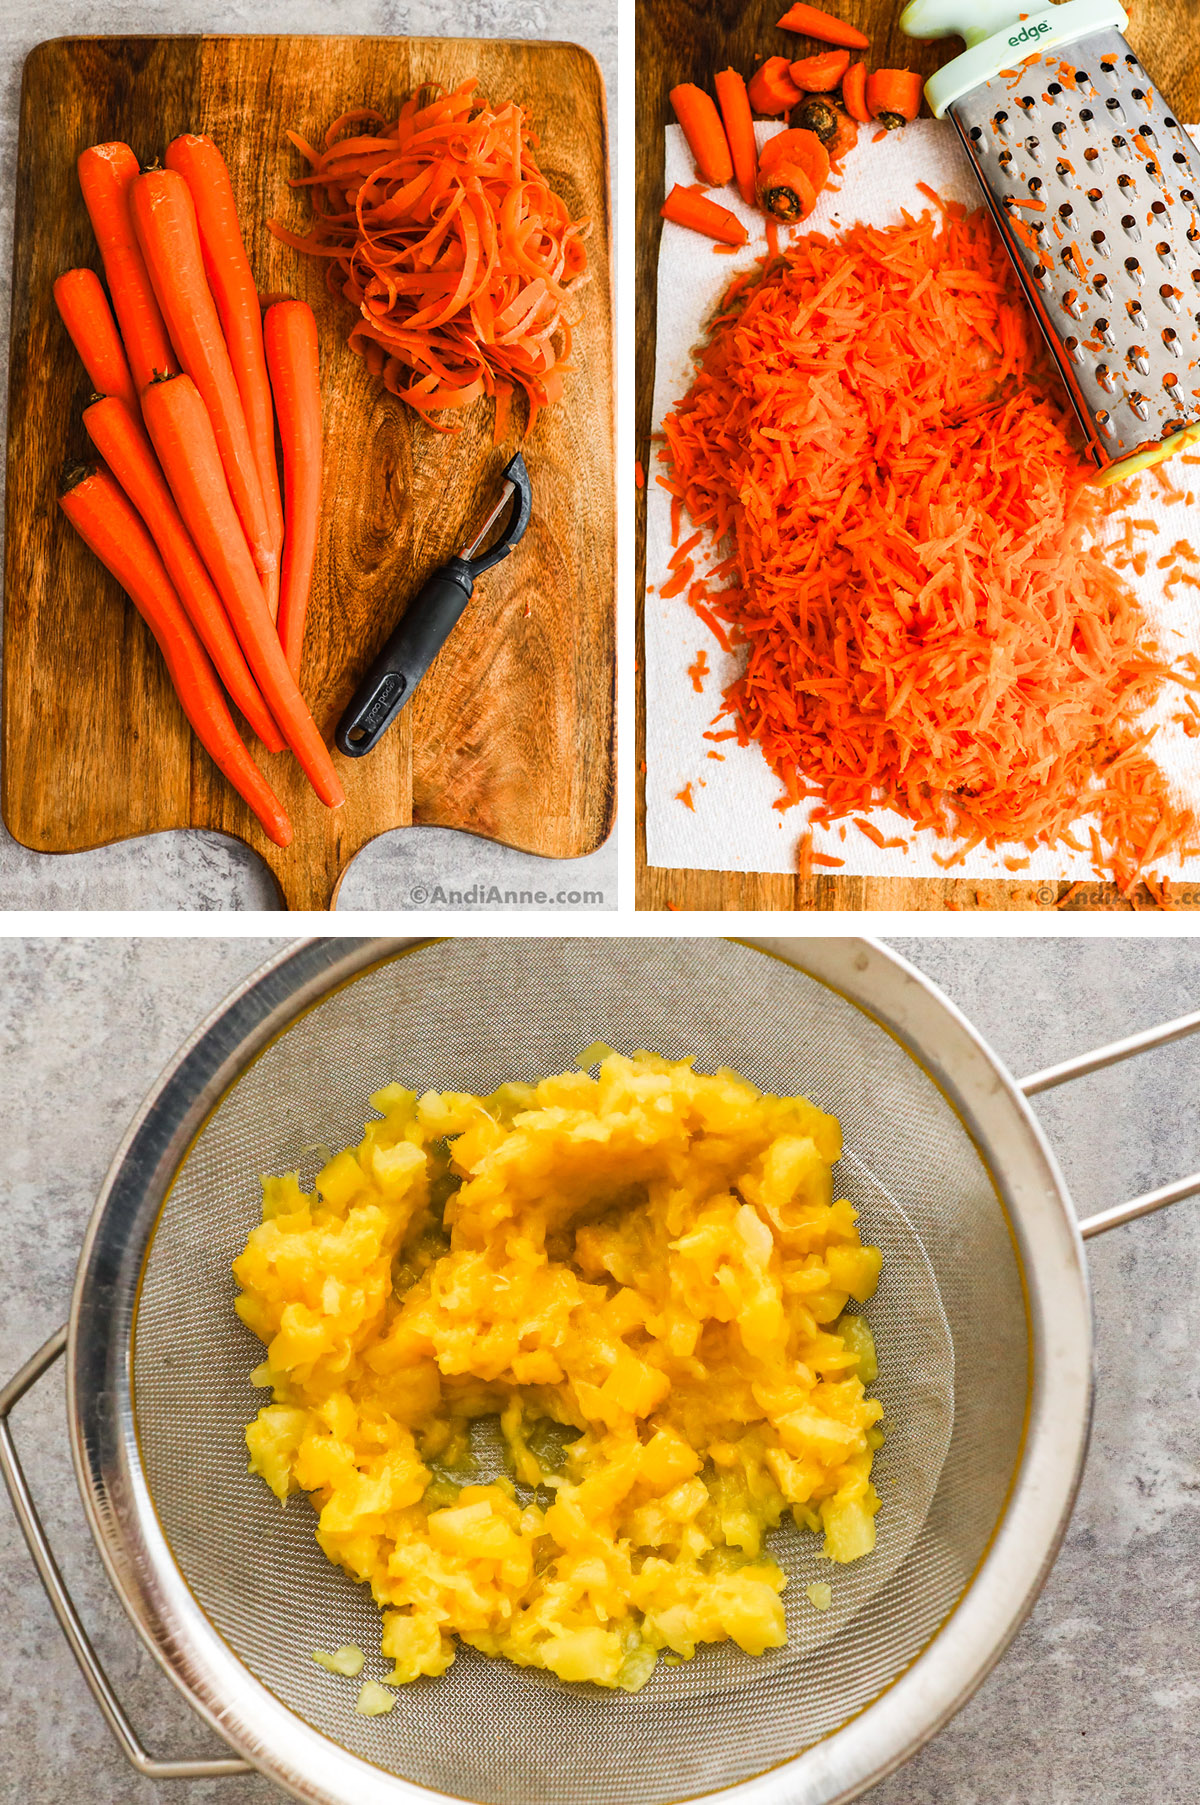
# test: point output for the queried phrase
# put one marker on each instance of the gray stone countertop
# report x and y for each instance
(192, 869)
(1095, 1702)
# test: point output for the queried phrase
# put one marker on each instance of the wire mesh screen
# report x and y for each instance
(948, 1321)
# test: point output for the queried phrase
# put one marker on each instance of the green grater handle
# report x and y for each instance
(998, 34)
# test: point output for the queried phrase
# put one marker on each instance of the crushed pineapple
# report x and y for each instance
(348, 1660)
(374, 1700)
(820, 1595)
(645, 1276)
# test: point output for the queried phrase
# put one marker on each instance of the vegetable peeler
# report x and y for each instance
(429, 620)
(1093, 187)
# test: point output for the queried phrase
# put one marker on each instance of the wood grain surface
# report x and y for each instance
(510, 736)
(690, 40)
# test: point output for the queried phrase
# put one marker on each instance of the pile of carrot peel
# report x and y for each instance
(911, 553)
(457, 255)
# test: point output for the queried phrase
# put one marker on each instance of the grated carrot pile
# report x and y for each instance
(927, 617)
(457, 254)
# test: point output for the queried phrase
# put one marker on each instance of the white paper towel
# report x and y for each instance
(734, 826)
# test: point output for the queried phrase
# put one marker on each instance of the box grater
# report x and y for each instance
(1092, 184)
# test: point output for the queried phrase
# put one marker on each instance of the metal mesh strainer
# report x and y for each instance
(487, 1730)
(980, 1321)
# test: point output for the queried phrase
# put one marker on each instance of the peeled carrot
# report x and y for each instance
(109, 524)
(697, 113)
(106, 174)
(738, 119)
(183, 437)
(87, 316)
(772, 90)
(792, 170)
(290, 337)
(844, 139)
(235, 292)
(812, 22)
(699, 214)
(854, 93)
(893, 96)
(820, 74)
(120, 438)
(164, 219)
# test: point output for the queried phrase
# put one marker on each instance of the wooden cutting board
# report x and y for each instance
(510, 736)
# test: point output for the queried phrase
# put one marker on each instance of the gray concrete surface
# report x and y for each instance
(194, 870)
(1094, 1704)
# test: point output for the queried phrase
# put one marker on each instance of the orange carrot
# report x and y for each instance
(894, 96)
(844, 139)
(734, 102)
(919, 589)
(108, 523)
(106, 174)
(456, 255)
(697, 113)
(812, 22)
(699, 214)
(164, 219)
(235, 292)
(89, 322)
(119, 436)
(820, 74)
(854, 93)
(290, 336)
(183, 437)
(793, 169)
(772, 90)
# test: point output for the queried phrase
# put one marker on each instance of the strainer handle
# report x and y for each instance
(63, 1605)
(1054, 1075)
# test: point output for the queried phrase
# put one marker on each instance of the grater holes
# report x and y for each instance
(1137, 402)
(1054, 90)
(1170, 381)
(1064, 172)
(1115, 108)
(1004, 159)
(1135, 311)
(1166, 253)
(1001, 125)
(1071, 304)
(1096, 196)
(1170, 339)
(1180, 157)
(1171, 124)
(1139, 357)
(1127, 185)
(1066, 212)
(1130, 224)
(1121, 146)
(1026, 101)
(1073, 349)
(1171, 296)
(976, 133)
(1091, 155)
(1158, 209)
(1104, 377)
(1085, 117)
(1033, 147)
(1108, 67)
(1134, 269)
(1105, 423)
(1040, 272)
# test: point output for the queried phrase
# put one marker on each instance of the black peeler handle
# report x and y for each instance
(427, 623)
